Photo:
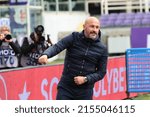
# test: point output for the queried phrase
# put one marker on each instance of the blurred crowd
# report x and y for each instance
(13, 55)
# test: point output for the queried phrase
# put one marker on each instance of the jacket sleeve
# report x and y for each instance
(59, 46)
(15, 47)
(26, 47)
(1, 42)
(101, 69)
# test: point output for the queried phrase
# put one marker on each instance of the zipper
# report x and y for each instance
(87, 49)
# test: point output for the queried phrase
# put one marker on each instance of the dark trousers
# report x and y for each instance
(68, 93)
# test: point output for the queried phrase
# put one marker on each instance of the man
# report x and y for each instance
(85, 61)
(33, 47)
(9, 50)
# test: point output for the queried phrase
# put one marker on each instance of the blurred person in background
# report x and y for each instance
(85, 61)
(9, 49)
(33, 47)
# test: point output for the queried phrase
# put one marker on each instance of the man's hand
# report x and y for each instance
(79, 80)
(2, 36)
(43, 59)
(9, 41)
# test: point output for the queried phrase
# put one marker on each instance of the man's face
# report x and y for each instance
(91, 28)
(5, 30)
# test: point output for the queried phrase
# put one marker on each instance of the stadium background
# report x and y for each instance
(61, 17)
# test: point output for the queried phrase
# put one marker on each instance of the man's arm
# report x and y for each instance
(101, 69)
(98, 75)
(1, 42)
(15, 47)
(56, 48)
(26, 47)
(1, 39)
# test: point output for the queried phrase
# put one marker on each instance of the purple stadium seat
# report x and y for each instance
(118, 23)
(110, 23)
(139, 15)
(127, 22)
(146, 16)
(113, 15)
(104, 17)
(136, 22)
(121, 16)
(146, 22)
(130, 16)
(112, 18)
(108, 20)
(103, 20)
(103, 24)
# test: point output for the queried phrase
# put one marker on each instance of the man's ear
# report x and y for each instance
(83, 26)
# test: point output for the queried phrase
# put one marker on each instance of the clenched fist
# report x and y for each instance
(43, 59)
